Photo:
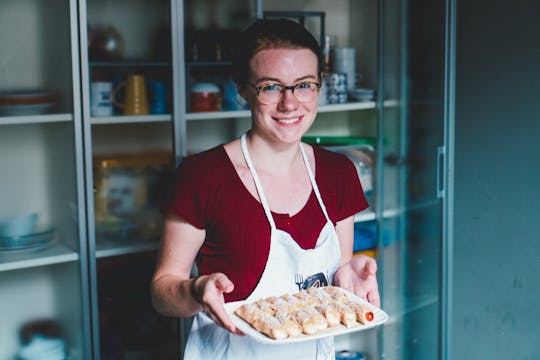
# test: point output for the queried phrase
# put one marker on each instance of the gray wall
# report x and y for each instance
(496, 284)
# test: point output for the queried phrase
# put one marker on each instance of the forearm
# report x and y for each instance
(173, 296)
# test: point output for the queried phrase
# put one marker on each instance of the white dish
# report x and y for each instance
(29, 241)
(26, 109)
(379, 318)
(27, 102)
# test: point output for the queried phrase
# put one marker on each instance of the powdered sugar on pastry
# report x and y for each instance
(305, 312)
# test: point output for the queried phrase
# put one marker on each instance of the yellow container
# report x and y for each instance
(127, 194)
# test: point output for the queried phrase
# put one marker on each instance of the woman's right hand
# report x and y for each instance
(208, 290)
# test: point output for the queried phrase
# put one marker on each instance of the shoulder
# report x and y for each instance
(330, 160)
(207, 161)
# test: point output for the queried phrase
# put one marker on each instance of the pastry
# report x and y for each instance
(304, 312)
(363, 313)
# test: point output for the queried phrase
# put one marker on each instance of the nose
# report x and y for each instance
(288, 100)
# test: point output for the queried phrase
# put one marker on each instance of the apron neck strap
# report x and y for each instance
(314, 183)
(258, 185)
(260, 191)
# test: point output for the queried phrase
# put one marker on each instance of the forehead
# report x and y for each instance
(284, 64)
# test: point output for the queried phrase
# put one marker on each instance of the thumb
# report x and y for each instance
(224, 283)
(371, 266)
(368, 267)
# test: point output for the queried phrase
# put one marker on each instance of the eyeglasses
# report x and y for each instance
(273, 93)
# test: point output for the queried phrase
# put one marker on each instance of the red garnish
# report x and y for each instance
(369, 316)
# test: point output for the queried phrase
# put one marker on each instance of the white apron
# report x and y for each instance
(288, 268)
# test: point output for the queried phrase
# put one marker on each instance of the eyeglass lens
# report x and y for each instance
(273, 93)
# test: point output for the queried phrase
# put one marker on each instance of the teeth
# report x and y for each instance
(289, 121)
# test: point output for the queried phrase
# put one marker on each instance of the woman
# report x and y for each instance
(264, 214)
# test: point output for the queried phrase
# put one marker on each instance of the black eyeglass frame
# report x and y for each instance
(284, 87)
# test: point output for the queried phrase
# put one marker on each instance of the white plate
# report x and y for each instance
(28, 241)
(379, 318)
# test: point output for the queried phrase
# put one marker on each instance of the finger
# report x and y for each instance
(369, 269)
(372, 266)
(224, 283)
(360, 291)
(374, 297)
(224, 320)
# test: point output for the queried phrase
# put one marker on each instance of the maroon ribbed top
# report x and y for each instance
(210, 195)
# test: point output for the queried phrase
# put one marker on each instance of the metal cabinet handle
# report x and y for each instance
(440, 172)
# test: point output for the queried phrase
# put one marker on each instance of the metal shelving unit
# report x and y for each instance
(41, 156)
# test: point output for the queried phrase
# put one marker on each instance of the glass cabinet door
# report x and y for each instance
(43, 269)
(127, 72)
(412, 71)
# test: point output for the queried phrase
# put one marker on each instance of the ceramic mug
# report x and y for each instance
(101, 98)
(135, 99)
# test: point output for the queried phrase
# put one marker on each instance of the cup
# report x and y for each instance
(101, 98)
(345, 62)
(159, 98)
(336, 91)
(135, 99)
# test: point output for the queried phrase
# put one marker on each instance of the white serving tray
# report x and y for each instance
(379, 317)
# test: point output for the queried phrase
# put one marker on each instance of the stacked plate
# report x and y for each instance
(28, 241)
(43, 348)
(362, 94)
(27, 102)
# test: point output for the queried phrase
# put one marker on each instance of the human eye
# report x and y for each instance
(306, 85)
(271, 88)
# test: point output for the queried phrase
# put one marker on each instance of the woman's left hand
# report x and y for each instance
(359, 276)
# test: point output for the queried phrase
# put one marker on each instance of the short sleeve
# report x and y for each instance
(190, 192)
(350, 195)
(340, 184)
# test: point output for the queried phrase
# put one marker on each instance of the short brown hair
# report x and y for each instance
(271, 34)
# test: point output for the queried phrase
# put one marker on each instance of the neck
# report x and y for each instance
(279, 158)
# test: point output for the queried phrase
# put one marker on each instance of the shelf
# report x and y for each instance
(363, 105)
(35, 119)
(109, 249)
(368, 215)
(216, 115)
(208, 63)
(127, 119)
(48, 255)
(130, 63)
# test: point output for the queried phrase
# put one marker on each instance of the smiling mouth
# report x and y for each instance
(288, 121)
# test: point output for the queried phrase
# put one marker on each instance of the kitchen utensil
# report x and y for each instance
(135, 99)
(27, 102)
(101, 98)
(105, 44)
(32, 240)
(336, 91)
(18, 225)
(345, 62)
(379, 318)
(159, 98)
(205, 96)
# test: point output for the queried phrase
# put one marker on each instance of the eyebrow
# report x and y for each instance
(270, 79)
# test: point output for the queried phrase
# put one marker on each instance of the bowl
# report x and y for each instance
(18, 225)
